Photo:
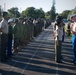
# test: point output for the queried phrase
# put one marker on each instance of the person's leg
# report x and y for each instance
(9, 49)
(56, 52)
(16, 44)
(3, 47)
(62, 38)
(0, 47)
(72, 40)
(75, 55)
(60, 45)
(75, 49)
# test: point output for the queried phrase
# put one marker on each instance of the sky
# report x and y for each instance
(46, 5)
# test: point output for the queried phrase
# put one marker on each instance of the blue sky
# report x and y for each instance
(60, 5)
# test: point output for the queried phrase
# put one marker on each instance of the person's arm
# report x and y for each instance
(57, 40)
(2, 25)
(57, 35)
(0, 29)
(74, 32)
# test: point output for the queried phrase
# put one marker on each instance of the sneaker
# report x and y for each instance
(59, 61)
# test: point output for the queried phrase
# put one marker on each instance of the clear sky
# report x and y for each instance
(60, 5)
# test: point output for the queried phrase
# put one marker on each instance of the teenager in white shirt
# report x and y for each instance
(58, 41)
(4, 36)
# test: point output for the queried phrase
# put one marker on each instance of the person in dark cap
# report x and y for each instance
(58, 32)
(4, 36)
(10, 37)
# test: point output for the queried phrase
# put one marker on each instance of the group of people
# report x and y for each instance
(16, 30)
(6, 37)
(59, 33)
(11, 35)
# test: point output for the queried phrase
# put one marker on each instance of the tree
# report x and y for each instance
(40, 13)
(47, 15)
(71, 12)
(53, 12)
(65, 13)
(13, 12)
(29, 12)
(74, 11)
(33, 13)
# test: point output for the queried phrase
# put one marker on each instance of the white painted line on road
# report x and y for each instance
(57, 69)
(33, 55)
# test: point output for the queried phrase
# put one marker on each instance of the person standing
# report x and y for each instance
(10, 37)
(4, 36)
(16, 32)
(58, 41)
(74, 42)
(68, 28)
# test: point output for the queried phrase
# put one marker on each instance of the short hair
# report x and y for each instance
(4, 14)
(58, 19)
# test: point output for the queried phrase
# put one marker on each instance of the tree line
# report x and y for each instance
(38, 13)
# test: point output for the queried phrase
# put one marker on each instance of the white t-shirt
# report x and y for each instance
(4, 26)
(59, 33)
(74, 27)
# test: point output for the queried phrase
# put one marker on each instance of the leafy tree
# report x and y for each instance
(13, 12)
(40, 13)
(65, 13)
(74, 11)
(71, 12)
(47, 15)
(29, 12)
(33, 13)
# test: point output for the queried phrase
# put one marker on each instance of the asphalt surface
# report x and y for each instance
(37, 58)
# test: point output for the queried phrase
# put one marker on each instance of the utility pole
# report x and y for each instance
(0, 10)
(54, 2)
(4, 6)
(53, 12)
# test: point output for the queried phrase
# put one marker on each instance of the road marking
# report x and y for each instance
(57, 69)
(33, 54)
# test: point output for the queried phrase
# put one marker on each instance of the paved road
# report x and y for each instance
(37, 58)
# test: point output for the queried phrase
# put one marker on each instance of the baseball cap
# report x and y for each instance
(10, 20)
